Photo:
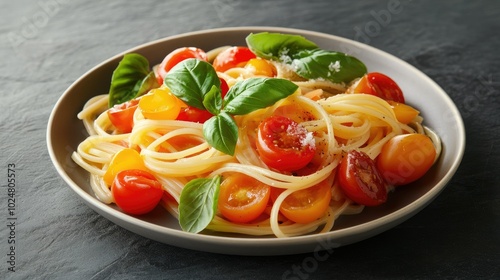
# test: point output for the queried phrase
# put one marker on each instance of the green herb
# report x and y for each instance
(197, 84)
(198, 203)
(305, 57)
(131, 78)
(190, 80)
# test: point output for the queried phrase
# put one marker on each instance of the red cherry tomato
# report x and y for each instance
(242, 198)
(136, 191)
(175, 57)
(360, 179)
(232, 57)
(122, 115)
(193, 114)
(405, 158)
(379, 85)
(283, 144)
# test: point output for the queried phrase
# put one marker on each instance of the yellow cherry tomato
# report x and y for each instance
(261, 67)
(160, 104)
(404, 113)
(125, 159)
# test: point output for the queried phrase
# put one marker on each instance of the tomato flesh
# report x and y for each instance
(136, 191)
(283, 144)
(242, 198)
(232, 57)
(176, 56)
(307, 205)
(405, 158)
(379, 85)
(122, 115)
(360, 179)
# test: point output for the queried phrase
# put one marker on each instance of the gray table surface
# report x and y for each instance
(47, 44)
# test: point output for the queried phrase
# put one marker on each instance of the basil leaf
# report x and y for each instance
(190, 80)
(256, 93)
(221, 132)
(131, 78)
(213, 100)
(198, 203)
(277, 46)
(333, 66)
(308, 60)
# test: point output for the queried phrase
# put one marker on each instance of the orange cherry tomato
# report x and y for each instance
(405, 158)
(360, 179)
(175, 57)
(379, 85)
(307, 205)
(242, 198)
(261, 67)
(404, 113)
(283, 144)
(136, 191)
(232, 57)
(160, 104)
(125, 159)
(122, 115)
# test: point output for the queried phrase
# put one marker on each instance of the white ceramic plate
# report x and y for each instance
(65, 132)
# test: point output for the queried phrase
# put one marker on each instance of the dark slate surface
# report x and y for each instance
(47, 44)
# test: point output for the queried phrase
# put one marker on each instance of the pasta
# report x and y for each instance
(176, 152)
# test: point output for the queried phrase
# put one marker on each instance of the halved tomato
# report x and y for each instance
(379, 85)
(232, 57)
(122, 115)
(175, 57)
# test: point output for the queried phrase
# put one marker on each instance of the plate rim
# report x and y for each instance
(396, 217)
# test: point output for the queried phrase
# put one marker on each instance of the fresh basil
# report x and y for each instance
(276, 46)
(190, 80)
(213, 100)
(198, 203)
(306, 58)
(256, 93)
(334, 66)
(131, 78)
(221, 132)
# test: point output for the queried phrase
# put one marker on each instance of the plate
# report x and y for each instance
(65, 132)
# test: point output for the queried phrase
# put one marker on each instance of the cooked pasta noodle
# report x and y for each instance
(339, 122)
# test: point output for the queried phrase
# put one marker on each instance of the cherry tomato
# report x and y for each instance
(136, 191)
(405, 158)
(242, 198)
(307, 205)
(404, 113)
(283, 144)
(175, 57)
(379, 85)
(160, 104)
(193, 114)
(360, 179)
(122, 115)
(261, 67)
(125, 159)
(232, 57)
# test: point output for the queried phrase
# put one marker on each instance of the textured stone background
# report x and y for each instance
(47, 44)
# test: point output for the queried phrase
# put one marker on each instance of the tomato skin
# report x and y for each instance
(360, 179)
(236, 56)
(405, 158)
(160, 104)
(261, 67)
(242, 198)
(404, 113)
(380, 85)
(136, 191)
(307, 205)
(122, 115)
(125, 159)
(282, 144)
(176, 56)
